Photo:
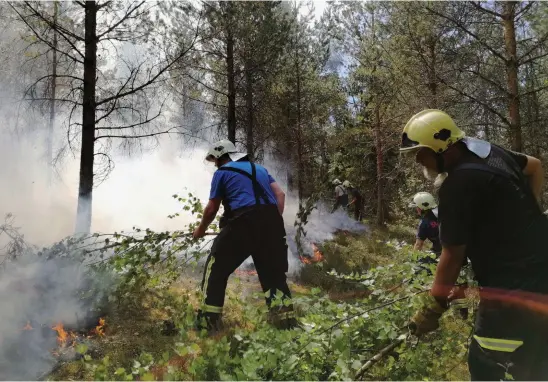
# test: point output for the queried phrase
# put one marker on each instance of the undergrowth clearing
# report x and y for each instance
(351, 305)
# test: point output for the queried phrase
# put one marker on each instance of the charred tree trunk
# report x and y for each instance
(49, 140)
(83, 216)
(231, 118)
(381, 217)
(249, 107)
(508, 21)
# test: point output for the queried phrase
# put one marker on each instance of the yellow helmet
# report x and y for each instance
(430, 128)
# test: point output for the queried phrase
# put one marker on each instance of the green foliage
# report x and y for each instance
(305, 209)
(337, 337)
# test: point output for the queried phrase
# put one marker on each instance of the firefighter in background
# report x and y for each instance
(489, 212)
(428, 229)
(427, 209)
(341, 195)
(357, 199)
(252, 225)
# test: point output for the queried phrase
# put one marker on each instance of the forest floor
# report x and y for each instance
(130, 333)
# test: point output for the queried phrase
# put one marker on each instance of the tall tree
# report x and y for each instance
(112, 107)
(478, 22)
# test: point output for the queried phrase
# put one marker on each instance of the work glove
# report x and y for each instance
(457, 300)
(426, 320)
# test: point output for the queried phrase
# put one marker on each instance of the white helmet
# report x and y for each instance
(424, 201)
(346, 184)
(218, 149)
(336, 182)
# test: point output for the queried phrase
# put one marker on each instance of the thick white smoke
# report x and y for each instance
(37, 293)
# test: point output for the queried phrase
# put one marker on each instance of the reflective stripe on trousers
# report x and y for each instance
(498, 344)
(205, 307)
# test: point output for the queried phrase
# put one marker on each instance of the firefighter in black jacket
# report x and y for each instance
(252, 225)
(489, 212)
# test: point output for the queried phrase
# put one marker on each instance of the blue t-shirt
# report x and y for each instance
(237, 189)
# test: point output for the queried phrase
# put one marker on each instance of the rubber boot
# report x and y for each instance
(169, 328)
(212, 322)
(283, 318)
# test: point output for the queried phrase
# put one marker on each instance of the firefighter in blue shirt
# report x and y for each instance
(252, 224)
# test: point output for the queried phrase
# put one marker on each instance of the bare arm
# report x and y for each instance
(279, 195)
(533, 170)
(210, 211)
(419, 244)
(447, 272)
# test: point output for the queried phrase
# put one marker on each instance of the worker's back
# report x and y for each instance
(505, 232)
(236, 189)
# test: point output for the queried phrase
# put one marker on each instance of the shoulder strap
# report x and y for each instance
(483, 167)
(518, 180)
(258, 190)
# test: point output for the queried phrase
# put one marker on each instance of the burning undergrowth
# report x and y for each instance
(319, 225)
(50, 302)
(314, 225)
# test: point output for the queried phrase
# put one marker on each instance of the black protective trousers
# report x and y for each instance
(508, 343)
(258, 232)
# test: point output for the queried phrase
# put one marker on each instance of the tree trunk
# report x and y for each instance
(249, 107)
(49, 139)
(83, 216)
(512, 74)
(432, 76)
(231, 118)
(534, 116)
(380, 189)
(300, 163)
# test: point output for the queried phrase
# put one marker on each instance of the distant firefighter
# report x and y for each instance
(341, 195)
(357, 200)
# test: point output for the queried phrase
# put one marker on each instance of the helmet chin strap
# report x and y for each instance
(440, 163)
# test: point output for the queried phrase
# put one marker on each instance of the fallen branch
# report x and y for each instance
(380, 355)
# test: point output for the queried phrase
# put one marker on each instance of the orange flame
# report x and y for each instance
(62, 335)
(315, 258)
(100, 329)
(28, 326)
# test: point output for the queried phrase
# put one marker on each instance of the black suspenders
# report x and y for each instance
(258, 190)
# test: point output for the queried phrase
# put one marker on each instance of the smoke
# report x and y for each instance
(138, 192)
(321, 226)
(36, 293)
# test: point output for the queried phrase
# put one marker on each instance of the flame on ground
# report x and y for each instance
(28, 326)
(62, 335)
(100, 329)
(315, 258)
